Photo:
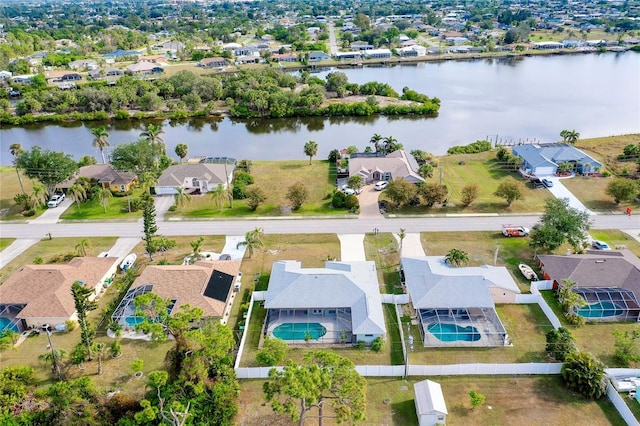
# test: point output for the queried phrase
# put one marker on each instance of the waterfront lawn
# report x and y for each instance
(117, 208)
(274, 178)
(607, 149)
(551, 35)
(9, 187)
(6, 242)
(593, 337)
(481, 247)
(526, 325)
(54, 250)
(591, 191)
(390, 401)
(383, 250)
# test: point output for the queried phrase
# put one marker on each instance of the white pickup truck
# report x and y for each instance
(55, 200)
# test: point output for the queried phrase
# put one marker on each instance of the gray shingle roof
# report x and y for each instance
(338, 285)
(212, 173)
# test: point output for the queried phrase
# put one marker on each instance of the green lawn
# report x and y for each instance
(274, 178)
(591, 191)
(616, 239)
(9, 187)
(510, 400)
(6, 242)
(117, 208)
(383, 250)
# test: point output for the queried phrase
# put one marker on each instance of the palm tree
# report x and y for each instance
(103, 194)
(402, 234)
(99, 350)
(197, 248)
(16, 149)
(182, 150)
(426, 171)
(54, 357)
(310, 149)
(147, 181)
(375, 140)
(82, 246)
(219, 195)
(78, 193)
(252, 240)
(39, 195)
(100, 141)
(182, 197)
(152, 135)
(391, 144)
(456, 257)
(572, 137)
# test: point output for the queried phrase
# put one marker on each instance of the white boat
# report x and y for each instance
(128, 262)
(528, 272)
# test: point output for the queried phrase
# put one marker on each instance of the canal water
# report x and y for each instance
(531, 98)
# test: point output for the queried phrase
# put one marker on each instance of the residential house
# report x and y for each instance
(4, 75)
(285, 57)
(361, 46)
(336, 304)
(119, 53)
(318, 56)
(544, 159)
(377, 54)
(154, 59)
(107, 73)
(608, 281)
(106, 176)
(41, 294)
(341, 56)
(242, 60)
(62, 76)
(377, 166)
(456, 306)
(547, 45)
(216, 62)
(429, 401)
(412, 51)
(144, 68)
(195, 178)
(173, 46)
(208, 285)
(82, 64)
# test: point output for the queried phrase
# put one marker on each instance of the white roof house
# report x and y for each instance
(202, 177)
(430, 406)
(349, 287)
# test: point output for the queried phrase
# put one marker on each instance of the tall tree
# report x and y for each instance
(49, 167)
(82, 247)
(218, 195)
(81, 294)
(560, 223)
(326, 381)
(584, 373)
(100, 140)
(310, 149)
(182, 150)
(152, 135)
(99, 349)
(426, 171)
(569, 136)
(401, 192)
(78, 193)
(376, 140)
(149, 224)
(355, 182)
(252, 240)
(196, 246)
(391, 144)
(16, 149)
(510, 191)
(139, 157)
(54, 357)
(622, 189)
(103, 195)
(456, 257)
(182, 198)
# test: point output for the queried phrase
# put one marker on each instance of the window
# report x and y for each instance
(316, 311)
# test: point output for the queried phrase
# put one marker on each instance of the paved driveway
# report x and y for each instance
(351, 247)
(558, 190)
(14, 249)
(369, 203)
(52, 215)
(162, 204)
(411, 245)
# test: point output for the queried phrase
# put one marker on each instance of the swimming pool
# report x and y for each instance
(600, 310)
(447, 332)
(133, 321)
(5, 323)
(298, 330)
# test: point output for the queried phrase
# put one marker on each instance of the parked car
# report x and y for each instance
(536, 182)
(225, 256)
(55, 200)
(515, 231)
(547, 183)
(380, 185)
(350, 191)
(600, 245)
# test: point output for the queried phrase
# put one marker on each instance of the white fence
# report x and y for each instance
(395, 299)
(244, 332)
(536, 297)
(621, 406)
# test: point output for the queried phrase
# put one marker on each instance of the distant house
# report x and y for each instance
(23, 79)
(341, 56)
(430, 405)
(106, 176)
(338, 303)
(376, 166)
(243, 60)
(285, 57)
(173, 46)
(317, 56)
(144, 68)
(547, 45)
(456, 306)
(378, 53)
(608, 281)
(154, 59)
(122, 53)
(194, 178)
(544, 159)
(5, 75)
(361, 46)
(81, 64)
(106, 73)
(207, 285)
(216, 62)
(62, 76)
(41, 294)
(412, 50)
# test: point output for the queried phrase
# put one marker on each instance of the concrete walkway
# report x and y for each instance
(558, 190)
(14, 249)
(411, 245)
(352, 247)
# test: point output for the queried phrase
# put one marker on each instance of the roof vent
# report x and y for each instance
(601, 260)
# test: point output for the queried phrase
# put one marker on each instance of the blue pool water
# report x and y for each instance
(5, 323)
(446, 332)
(600, 310)
(133, 321)
(298, 330)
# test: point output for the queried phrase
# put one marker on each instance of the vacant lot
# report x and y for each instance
(607, 150)
(509, 401)
(591, 191)
(9, 187)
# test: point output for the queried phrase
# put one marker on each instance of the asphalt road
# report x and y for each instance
(299, 226)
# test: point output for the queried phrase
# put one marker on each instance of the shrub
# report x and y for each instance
(472, 148)
(239, 191)
(29, 212)
(122, 114)
(351, 202)
(38, 260)
(115, 349)
(70, 325)
(173, 208)
(378, 344)
(338, 199)
(273, 352)
(361, 344)
(243, 178)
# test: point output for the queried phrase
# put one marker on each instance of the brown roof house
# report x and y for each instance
(608, 281)
(41, 294)
(375, 167)
(200, 178)
(207, 285)
(106, 176)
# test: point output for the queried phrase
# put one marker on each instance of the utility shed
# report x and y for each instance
(430, 406)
